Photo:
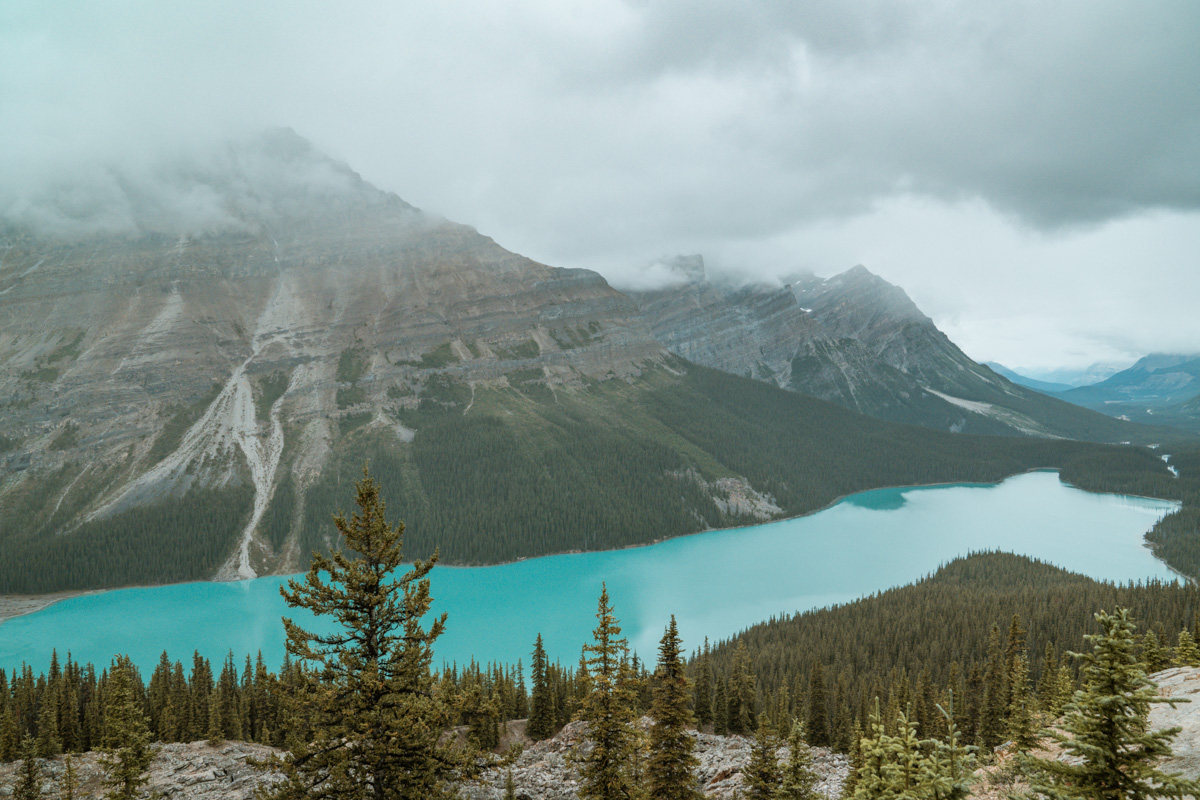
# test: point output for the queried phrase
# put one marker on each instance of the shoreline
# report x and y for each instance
(13, 606)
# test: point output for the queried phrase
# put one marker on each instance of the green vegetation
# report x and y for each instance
(350, 396)
(67, 438)
(1106, 728)
(527, 472)
(172, 432)
(352, 364)
(267, 389)
(67, 352)
(375, 719)
(175, 540)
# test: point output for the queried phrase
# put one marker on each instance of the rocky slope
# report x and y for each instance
(145, 358)
(859, 341)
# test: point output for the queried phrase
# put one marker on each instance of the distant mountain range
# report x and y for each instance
(198, 364)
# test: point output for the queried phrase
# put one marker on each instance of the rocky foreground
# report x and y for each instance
(200, 771)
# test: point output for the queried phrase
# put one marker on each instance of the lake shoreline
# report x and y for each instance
(12, 606)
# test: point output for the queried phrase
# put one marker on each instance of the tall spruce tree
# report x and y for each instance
(671, 766)
(798, 782)
(376, 719)
(703, 687)
(29, 784)
(817, 718)
(762, 775)
(608, 709)
(1106, 728)
(541, 702)
(126, 751)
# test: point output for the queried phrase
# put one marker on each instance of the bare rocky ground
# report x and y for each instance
(542, 772)
(200, 771)
(195, 771)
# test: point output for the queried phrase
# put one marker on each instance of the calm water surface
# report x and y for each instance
(714, 583)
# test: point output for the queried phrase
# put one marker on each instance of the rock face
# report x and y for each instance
(856, 340)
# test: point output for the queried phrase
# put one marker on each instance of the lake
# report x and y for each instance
(715, 583)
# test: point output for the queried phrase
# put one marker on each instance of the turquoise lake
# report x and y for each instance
(715, 583)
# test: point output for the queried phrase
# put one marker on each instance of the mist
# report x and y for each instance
(1030, 174)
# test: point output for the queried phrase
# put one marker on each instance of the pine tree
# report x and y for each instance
(608, 709)
(720, 711)
(126, 749)
(762, 776)
(10, 736)
(1106, 728)
(541, 702)
(1187, 654)
(991, 718)
(703, 687)
(376, 720)
(870, 780)
(68, 782)
(510, 788)
(948, 771)
(29, 785)
(742, 692)
(48, 743)
(817, 718)
(799, 782)
(671, 767)
(1154, 656)
(1022, 723)
(903, 772)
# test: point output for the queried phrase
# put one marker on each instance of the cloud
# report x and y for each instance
(609, 133)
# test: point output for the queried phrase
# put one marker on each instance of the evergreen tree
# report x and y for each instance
(608, 709)
(817, 718)
(1187, 654)
(869, 778)
(1022, 723)
(29, 785)
(1106, 728)
(10, 735)
(48, 744)
(376, 720)
(948, 771)
(126, 751)
(541, 702)
(743, 692)
(903, 772)
(68, 782)
(671, 767)
(510, 788)
(991, 718)
(703, 688)
(720, 712)
(799, 782)
(762, 776)
(1154, 655)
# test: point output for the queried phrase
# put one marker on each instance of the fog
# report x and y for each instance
(1029, 173)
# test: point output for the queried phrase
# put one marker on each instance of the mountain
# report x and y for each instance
(1159, 379)
(858, 341)
(1045, 387)
(199, 360)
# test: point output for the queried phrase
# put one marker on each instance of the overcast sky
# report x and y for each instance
(1028, 171)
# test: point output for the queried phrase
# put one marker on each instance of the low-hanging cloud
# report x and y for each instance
(610, 133)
